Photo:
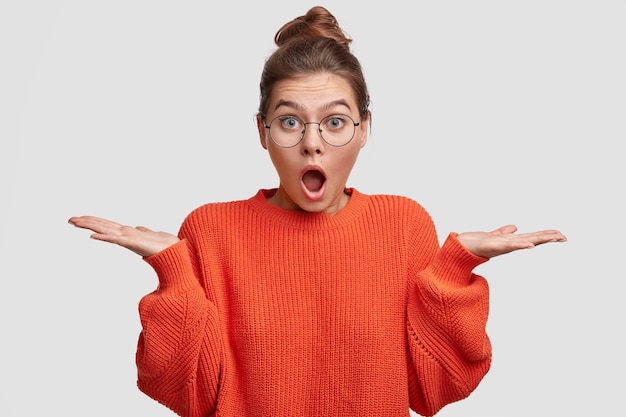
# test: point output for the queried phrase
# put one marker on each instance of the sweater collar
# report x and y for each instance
(307, 220)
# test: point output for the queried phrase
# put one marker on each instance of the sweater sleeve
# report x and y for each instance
(448, 305)
(179, 349)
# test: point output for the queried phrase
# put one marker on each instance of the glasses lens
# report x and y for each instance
(286, 131)
(336, 130)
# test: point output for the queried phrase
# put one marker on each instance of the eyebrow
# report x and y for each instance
(300, 107)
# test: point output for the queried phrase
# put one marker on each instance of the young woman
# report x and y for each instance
(313, 299)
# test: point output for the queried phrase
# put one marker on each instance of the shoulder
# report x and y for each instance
(399, 204)
(215, 213)
(215, 209)
(399, 216)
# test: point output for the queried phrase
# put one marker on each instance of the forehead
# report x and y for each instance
(313, 92)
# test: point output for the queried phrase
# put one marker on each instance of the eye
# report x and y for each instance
(335, 122)
(290, 122)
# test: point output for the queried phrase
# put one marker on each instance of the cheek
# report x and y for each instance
(346, 160)
(282, 160)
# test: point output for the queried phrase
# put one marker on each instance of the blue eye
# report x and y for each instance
(334, 122)
(290, 122)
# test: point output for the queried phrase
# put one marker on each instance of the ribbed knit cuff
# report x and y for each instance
(173, 268)
(453, 264)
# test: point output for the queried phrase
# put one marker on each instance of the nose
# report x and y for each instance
(312, 142)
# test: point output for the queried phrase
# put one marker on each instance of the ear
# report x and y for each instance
(364, 128)
(260, 125)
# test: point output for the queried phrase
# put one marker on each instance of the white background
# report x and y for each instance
(486, 112)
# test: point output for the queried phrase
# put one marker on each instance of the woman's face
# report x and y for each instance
(313, 174)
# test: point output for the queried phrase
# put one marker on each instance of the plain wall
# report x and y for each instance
(486, 112)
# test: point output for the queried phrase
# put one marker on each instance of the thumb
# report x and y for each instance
(509, 228)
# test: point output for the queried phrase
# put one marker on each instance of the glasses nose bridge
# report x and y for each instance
(319, 128)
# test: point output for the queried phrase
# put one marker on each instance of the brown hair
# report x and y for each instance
(313, 43)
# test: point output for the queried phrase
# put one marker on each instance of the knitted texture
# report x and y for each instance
(262, 311)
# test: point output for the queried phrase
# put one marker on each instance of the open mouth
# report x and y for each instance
(313, 181)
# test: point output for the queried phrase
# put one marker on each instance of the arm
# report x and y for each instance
(179, 350)
(447, 313)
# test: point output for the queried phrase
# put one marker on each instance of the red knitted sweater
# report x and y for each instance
(262, 311)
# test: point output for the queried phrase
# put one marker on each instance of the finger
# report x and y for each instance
(532, 240)
(544, 236)
(550, 236)
(508, 229)
(82, 221)
(123, 235)
(97, 224)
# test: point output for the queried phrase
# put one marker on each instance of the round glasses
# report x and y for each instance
(335, 130)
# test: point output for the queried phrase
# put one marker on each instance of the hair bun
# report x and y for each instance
(317, 22)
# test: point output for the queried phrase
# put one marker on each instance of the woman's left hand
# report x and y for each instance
(504, 240)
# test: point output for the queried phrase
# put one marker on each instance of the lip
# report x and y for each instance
(313, 195)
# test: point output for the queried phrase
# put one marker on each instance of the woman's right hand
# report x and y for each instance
(141, 240)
